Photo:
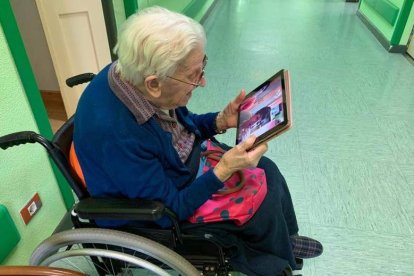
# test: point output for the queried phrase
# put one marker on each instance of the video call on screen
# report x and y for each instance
(262, 111)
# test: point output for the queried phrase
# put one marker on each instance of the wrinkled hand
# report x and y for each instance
(239, 157)
(228, 117)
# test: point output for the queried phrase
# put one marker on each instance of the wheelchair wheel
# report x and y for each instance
(109, 252)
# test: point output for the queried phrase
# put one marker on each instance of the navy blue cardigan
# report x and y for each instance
(121, 158)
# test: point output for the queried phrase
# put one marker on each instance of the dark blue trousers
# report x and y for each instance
(262, 245)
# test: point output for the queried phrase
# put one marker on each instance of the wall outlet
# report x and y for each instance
(31, 208)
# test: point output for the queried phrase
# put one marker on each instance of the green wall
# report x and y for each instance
(391, 18)
(195, 9)
(119, 12)
(409, 27)
(24, 170)
(177, 6)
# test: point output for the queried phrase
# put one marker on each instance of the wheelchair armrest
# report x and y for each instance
(119, 208)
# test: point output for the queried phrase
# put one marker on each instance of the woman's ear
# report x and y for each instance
(153, 86)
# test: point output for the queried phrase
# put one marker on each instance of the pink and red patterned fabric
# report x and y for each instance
(238, 206)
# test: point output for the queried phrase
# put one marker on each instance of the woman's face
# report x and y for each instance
(176, 93)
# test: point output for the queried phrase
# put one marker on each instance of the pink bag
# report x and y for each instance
(241, 196)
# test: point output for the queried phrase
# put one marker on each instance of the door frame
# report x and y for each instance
(27, 78)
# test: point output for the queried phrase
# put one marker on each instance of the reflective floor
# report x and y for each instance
(349, 158)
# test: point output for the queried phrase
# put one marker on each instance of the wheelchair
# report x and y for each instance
(79, 243)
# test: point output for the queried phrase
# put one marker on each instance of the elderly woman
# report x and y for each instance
(135, 138)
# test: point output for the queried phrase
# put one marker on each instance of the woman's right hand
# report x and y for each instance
(238, 158)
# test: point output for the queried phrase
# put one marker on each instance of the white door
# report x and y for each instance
(76, 35)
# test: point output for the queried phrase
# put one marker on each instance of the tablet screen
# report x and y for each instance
(264, 112)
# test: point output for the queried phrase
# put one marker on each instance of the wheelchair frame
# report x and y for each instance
(88, 209)
(179, 251)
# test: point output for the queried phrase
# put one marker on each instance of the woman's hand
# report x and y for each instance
(228, 117)
(238, 158)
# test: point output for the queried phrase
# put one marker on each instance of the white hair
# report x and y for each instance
(154, 41)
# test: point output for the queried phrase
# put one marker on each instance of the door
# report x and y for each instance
(76, 36)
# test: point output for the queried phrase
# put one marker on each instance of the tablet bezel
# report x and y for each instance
(286, 104)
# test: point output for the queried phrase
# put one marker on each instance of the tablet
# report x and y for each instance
(266, 111)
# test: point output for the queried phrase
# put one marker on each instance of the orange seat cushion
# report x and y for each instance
(73, 159)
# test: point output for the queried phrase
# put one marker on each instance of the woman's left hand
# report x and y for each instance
(228, 117)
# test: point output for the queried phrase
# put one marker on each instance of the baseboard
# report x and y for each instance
(380, 37)
(195, 7)
(207, 13)
(399, 49)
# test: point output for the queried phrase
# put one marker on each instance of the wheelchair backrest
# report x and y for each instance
(63, 140)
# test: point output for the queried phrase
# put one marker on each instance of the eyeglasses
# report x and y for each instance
(195, 84)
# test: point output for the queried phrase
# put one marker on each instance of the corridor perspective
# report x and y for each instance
(349, 158)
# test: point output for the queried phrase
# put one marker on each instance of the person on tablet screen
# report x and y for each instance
(253, 124)
(134, 137)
